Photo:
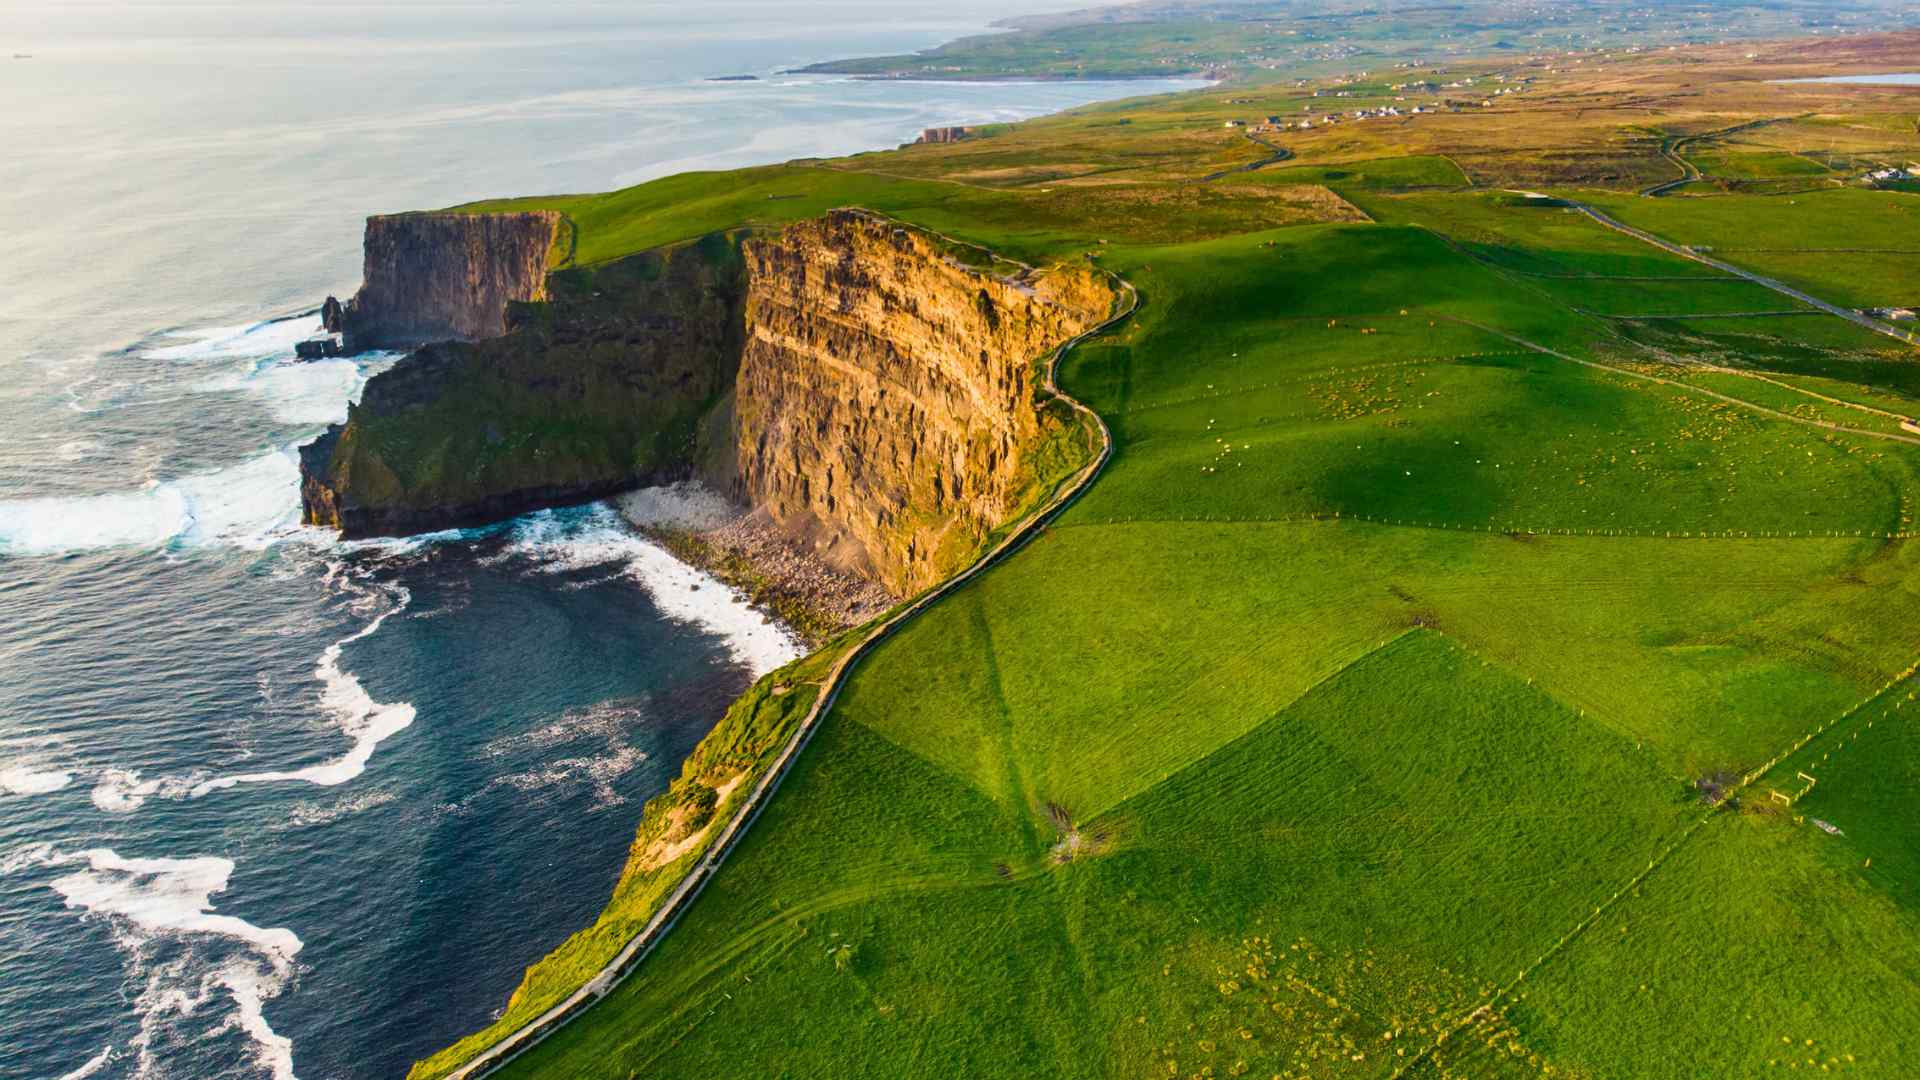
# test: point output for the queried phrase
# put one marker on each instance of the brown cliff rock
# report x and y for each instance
(852, 381)
(447, 276)
(886, 412)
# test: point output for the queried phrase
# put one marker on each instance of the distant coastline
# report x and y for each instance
(1032, 77)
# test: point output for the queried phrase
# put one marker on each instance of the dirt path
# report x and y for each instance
(1689, 172)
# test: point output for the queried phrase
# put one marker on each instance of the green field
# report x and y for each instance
(1350, 724)
(1756, 165)
(1851, 246)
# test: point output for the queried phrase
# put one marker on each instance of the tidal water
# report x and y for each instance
(270, 804)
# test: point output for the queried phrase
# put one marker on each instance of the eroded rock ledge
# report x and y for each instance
(850, 380)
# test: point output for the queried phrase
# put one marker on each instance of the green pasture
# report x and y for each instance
(1351, 724)
(1755, 164)
(1535, 237)
(1849, 246)
(1382, 174)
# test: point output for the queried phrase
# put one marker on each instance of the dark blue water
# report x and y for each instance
(271, 805)
(547, 703)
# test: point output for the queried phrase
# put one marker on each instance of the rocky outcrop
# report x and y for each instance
(444, 277)
(862, 386)
(885, 412)
(598, 389)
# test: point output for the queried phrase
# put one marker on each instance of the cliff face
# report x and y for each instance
(847, 377)
(599, 389)
(885, 411)
(446, 277)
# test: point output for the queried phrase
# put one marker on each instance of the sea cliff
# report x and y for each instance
(884, 411)
(446, 277)
(858, 384)
(599, 387)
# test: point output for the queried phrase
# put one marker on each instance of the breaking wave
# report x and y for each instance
(184, 954)
(352, 710)
(93, 1065)
(597, 536)
(226, 342)
(251, 505)
(17, 779)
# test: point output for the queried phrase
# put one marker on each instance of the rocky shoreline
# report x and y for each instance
(813, 600)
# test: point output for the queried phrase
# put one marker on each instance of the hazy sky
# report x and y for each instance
(25, 23)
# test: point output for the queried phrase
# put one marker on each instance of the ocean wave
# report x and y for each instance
(226, 342)
(121, 791)
(251, 505)
(606, 723)
(597, 536)
(150, 902)
(19, 779)
(342, 696)
(598, 771)
(298, 391)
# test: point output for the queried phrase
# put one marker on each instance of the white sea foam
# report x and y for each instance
(250, 505)
(18, 779)
(600, 537)
(121, 791)
(252, 339)
(597, 770)
(607, 723)
(354, 711)
(251, 987)
(147, 900)
(94, 1064)
(343, 698)
(301, 391)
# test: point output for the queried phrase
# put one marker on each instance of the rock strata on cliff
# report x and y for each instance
(885, 412)
(444, 277)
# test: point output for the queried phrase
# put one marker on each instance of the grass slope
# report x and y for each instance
(1350, 724)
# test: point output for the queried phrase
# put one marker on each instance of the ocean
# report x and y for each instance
(273, 805)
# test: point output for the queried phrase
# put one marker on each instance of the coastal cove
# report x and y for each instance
(276, 804)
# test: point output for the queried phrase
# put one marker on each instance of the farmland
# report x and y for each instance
(1485, 654)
